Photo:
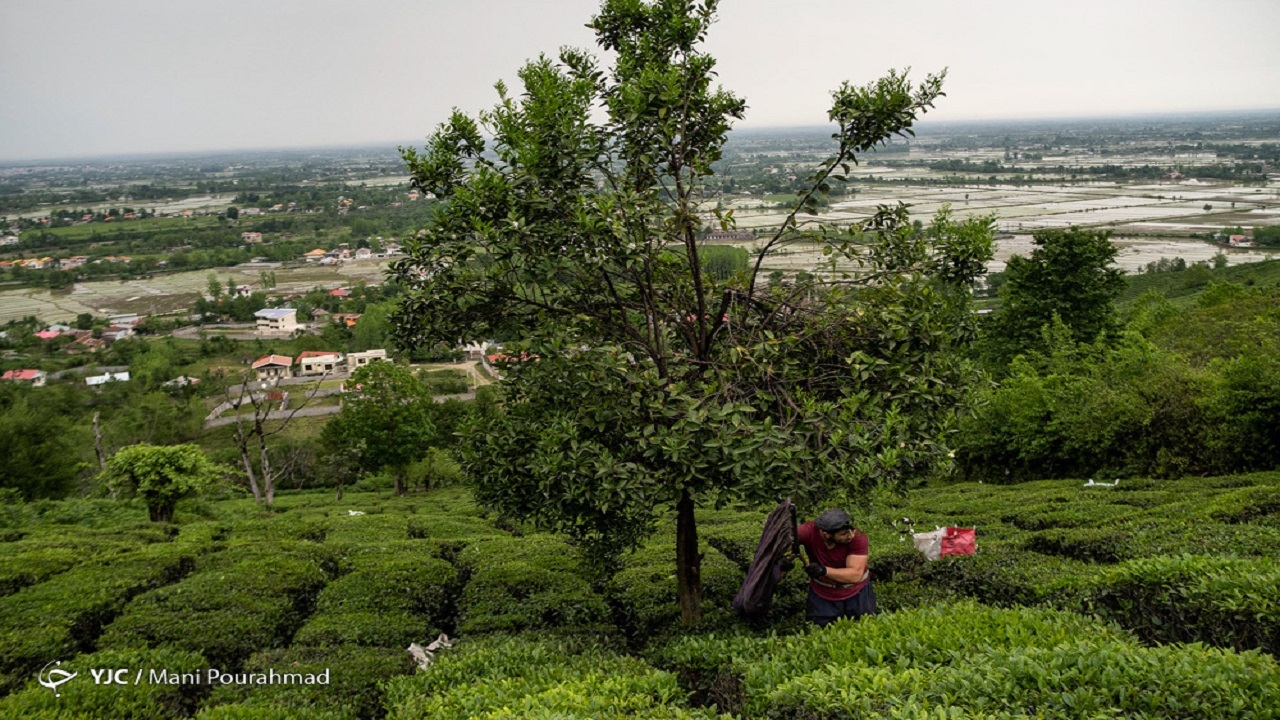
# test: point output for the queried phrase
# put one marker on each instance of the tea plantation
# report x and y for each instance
(1152, 599)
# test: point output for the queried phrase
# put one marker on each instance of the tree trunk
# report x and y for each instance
(97, 443)
(339, 498)
(398, 478)
(161, 512)
(248, 470)
(688, 561)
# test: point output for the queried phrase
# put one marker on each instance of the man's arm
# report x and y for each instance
(854, 570)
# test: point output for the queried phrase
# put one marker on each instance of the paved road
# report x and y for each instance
(318, 411)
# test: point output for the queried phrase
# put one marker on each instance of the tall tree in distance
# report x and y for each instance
(1069, 275)
(386, 423)
(642, 380)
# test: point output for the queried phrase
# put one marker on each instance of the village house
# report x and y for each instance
(85, 343)
(243, 291)
(477, 350)
(251, 237)
(271, 368)
(276, 321)
(318, 362)
(1239, 241)
(313, 255)
(341, 293)
(35, 377)
(48, 334)
(348, 319)
(117, 332)
(363, 253)
(96, 380)
(127, 320)
(357, 360)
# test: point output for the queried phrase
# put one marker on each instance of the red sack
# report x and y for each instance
(958, 541)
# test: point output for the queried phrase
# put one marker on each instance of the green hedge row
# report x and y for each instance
(500, 677)
(966, 660)
(643, 590)
(391, 597)
(254, 600)
(65, 615)
(537, 582)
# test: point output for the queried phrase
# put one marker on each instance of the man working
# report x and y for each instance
(839, 583)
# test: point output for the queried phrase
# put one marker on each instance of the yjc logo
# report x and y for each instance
(55, 677)
(107, 676)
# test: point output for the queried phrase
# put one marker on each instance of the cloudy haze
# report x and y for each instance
(90, 77)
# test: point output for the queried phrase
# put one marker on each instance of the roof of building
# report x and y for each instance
(266, 360)
(22, 374)
(275, 313)
(317, 353)
(315, 253)
(340, 292)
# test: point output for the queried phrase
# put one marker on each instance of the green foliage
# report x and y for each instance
(354, 675)
(41, 458)
(161, 475)
(226, 613)
(535, 582)
(647, 604)
(1234, 601)
(502, 678)
(1068, 275)
(964, 660)
(388, 599)
(388, 417)
(85, 598)
(641, 377)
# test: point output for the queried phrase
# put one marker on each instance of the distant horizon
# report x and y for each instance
(926, 124)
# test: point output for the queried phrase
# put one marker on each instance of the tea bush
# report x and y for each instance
(63, 616)
(966, 660)
(533, 582)
(354, 676)
(644, 589)
(1235, 602)
(225, 613)
(526, 677)
(389, 599)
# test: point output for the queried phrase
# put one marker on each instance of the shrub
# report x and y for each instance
(520, 677)
(65, 615)
(644, 590)
(224, 613)
(355, 674)
(1229, 602)
(534, 582)
(387, 601)
(966, 660)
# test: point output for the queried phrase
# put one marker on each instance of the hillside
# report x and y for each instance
(1065, 611)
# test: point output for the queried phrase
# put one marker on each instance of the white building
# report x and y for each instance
(318, 362)
(277, 321)
(357, 360)
(95, 380)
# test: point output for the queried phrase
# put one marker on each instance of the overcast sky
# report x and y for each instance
(90, 77)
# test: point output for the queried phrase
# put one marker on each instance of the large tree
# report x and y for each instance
(386, 423)
(641, 379)
(1069, 275)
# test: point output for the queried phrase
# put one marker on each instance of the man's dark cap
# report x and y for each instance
(833, 521)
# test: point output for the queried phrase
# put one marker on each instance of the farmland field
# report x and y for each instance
(1148, 599)
(169, 293)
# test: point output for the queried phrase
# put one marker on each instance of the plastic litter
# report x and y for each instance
(424, 656)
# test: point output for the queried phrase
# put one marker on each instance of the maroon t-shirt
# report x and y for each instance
(833, 557)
